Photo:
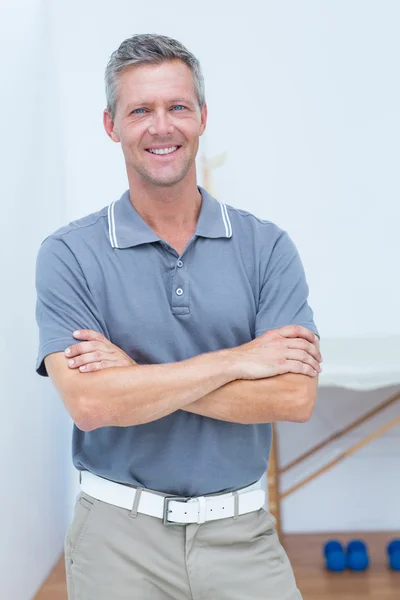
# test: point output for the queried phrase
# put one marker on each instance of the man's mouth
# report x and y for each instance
(163, 151)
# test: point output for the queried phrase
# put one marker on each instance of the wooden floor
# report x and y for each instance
(315, 583)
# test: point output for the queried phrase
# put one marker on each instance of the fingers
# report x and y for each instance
(89, 334)
(92, 361)
(304, 359)
(301, 337)
(97, 366)
(294, 366)
(301, 344)
(298, 331)
(84, 347)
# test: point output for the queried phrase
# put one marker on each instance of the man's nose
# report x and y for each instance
(161, 124)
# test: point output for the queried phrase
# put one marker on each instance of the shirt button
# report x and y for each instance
(179, 291)
(179, 263)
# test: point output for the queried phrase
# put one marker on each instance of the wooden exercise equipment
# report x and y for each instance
(273, 475)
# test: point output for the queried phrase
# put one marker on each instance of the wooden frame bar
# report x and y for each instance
(274, 472)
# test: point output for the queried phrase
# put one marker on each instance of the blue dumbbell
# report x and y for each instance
(335, 557)
(393, 550)
(357, 556)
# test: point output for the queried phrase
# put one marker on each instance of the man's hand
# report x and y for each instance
(96, 353)
(289, 349)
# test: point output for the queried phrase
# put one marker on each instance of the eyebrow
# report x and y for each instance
(138, 104)
(182, 101)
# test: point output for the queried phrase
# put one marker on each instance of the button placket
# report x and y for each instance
(180, 289)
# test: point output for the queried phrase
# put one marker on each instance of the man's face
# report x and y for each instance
(157, 107)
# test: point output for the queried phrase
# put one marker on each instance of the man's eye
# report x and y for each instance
(136, 110)
(179, 106)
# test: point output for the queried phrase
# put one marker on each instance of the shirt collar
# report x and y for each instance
(126, 228)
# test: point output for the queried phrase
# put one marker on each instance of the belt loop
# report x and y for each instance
(235, 505)
(80, 477)
(134, 510)
(202, 509)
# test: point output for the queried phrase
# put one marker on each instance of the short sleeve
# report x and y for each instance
(64, 302)
(284, 290)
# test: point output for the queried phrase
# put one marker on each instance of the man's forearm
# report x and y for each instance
(278, 398)
(125, 396)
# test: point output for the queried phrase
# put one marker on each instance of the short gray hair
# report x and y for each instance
(149, 48)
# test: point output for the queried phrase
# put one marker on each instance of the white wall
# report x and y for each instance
(34, 446)
(304, 99)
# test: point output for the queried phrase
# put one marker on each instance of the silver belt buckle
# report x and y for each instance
(165, 511)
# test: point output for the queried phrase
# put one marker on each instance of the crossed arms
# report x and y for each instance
(208, 384)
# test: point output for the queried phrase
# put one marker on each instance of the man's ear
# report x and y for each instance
(109, 126)
(203, 119)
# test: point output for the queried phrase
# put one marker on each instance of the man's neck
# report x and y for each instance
(170, 210)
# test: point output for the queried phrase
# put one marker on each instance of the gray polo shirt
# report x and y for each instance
(238, 277)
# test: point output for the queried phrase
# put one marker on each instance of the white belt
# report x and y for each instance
(175, 510)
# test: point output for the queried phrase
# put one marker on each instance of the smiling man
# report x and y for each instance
(195, 335)
(158, 121)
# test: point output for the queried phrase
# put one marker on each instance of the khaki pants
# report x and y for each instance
(113, 554)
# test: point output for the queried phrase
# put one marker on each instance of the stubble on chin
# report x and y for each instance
(166, 180)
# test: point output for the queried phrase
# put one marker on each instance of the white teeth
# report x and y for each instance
(163, 150)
